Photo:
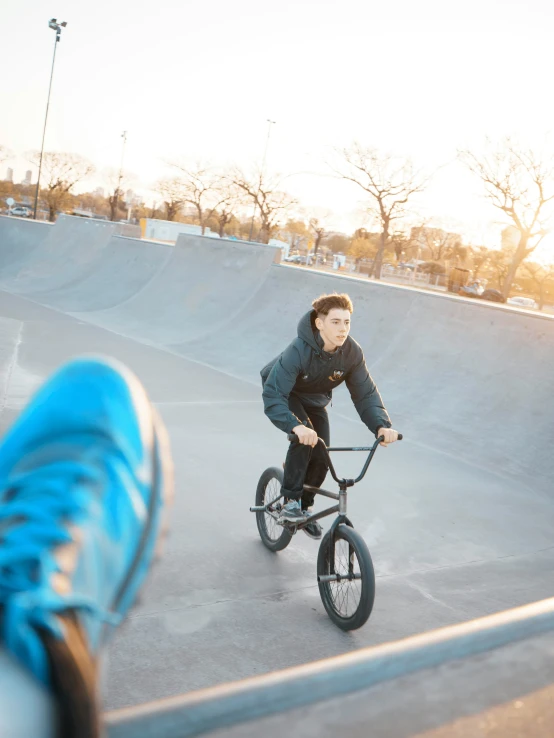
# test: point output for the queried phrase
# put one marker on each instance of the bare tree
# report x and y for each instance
(400, 243)
(118, 182)
(480, 259)
(266, 194)
(519, 183)
(542, 277)
(115, 195)
(61, 172)
(318, 228)
(228, 198)
(499, 264)
(436, 241)
(172, 191)
(459, 253)
(199, 183)
(389, 181)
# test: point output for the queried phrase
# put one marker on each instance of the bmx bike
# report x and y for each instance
(345, 574)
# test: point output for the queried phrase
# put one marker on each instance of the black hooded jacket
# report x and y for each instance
(304, 369)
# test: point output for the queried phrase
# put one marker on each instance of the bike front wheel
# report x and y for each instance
(274, 536)
(347, 588)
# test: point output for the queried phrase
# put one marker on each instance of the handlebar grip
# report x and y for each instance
(400, 437)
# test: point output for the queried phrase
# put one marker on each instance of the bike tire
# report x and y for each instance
(328, 590)
(274, 537)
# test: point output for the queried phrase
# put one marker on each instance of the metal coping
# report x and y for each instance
(207, 710)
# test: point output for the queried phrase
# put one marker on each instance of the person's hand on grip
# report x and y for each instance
(389, 436)
(306, 436)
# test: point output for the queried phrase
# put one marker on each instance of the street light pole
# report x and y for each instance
(262, 172)
(55, 26)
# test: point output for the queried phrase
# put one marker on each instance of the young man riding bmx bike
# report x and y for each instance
(297, 387)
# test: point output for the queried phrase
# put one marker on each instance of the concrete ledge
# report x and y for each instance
(280, 693)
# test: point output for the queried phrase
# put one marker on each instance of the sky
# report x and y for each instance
(198, 81)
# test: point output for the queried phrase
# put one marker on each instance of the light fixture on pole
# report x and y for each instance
(262, 172)
(57, 27)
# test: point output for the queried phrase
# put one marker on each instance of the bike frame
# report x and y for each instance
(341, 497)
(343, 483)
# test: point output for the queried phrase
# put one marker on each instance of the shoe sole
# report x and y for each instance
(314, 537)
(156, 526)
(165, 460)
(161, 497)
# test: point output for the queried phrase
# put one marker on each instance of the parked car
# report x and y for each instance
(21, 211)
(296, 259)
(493, 296)
(476, 289)
(522, 302)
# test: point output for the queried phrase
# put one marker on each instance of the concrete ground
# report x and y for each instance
(458, 517)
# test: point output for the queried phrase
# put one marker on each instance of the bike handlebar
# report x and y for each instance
(293, 438)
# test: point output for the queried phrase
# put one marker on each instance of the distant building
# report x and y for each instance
(9, 175)
(510, 238)
(99, 192)
(28, 177)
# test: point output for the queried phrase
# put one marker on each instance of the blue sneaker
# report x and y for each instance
(84, 474)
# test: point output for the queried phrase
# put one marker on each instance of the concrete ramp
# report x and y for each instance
(19, 239)
(201, 286)
(124, 268)
(157, 293)
(69, 249)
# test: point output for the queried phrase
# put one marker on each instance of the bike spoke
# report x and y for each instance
(272, 492)
(346, 594)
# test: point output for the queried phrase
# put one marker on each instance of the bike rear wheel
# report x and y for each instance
(274, 537)
(349, 600)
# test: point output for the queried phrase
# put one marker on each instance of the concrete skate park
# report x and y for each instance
(459, 517)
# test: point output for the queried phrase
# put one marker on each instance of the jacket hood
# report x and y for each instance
(309, 333)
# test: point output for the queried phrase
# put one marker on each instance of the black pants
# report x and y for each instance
(304, 464)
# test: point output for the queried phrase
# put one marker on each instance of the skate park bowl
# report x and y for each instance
(231, 640)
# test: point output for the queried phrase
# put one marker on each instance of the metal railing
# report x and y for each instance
(201, 712)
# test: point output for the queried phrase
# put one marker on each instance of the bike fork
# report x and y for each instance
(339, 520)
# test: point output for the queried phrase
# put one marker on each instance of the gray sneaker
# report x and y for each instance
(314, 529)
(291, 513)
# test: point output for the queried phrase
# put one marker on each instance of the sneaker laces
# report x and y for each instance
(37, 509)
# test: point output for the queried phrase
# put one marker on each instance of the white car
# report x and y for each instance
(527, 302)
(20, 212)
